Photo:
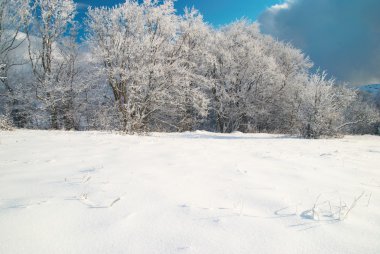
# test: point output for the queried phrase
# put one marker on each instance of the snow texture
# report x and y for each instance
(97, 192)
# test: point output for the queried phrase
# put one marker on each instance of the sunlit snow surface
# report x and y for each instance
(94, 192)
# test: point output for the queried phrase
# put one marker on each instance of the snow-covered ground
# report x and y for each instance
(93, 192)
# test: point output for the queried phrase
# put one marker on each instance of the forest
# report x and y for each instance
(142, 67)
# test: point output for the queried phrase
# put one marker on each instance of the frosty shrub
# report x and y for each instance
(362, 117)
(322, 111)
(5, 123)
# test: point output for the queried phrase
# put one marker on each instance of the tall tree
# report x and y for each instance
(13, 19)
(137, 46)
(52, 22)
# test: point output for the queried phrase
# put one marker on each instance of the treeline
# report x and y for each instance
(141, 67)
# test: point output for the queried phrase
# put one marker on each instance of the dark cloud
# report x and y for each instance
(342, 37)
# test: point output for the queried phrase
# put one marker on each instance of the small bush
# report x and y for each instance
(5, 123)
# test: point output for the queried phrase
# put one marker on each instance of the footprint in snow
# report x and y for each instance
(84, 199)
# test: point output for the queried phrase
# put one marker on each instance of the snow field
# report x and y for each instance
(95, 192)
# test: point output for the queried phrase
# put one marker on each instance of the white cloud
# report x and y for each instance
(277, 7)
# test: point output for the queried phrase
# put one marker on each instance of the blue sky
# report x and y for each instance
(215, 12)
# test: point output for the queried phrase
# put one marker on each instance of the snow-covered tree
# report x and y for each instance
(323, 106)
(292, 68)
(256, 78)
(193, 52)
(14, 15)
(142, 67)
(237, 70)
(13, 18)
(140, 48)
(52, 64)
(362, 116)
